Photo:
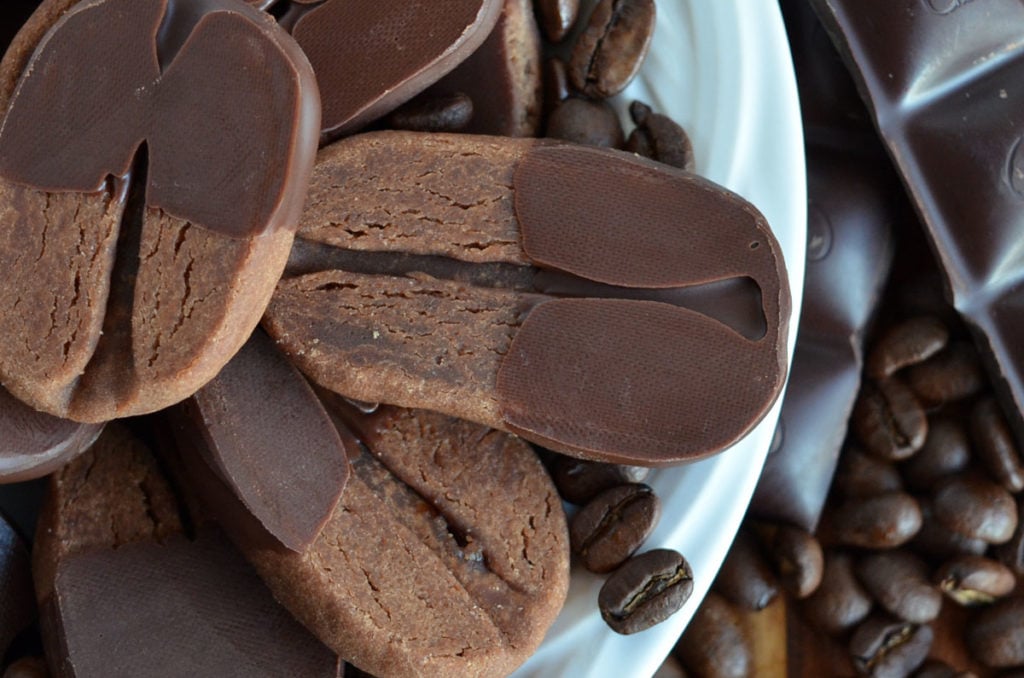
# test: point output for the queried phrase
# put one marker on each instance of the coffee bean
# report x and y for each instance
(658, 137)
(934, 540)
(945, 452)
(996, 636)
(863, 475)
(994, 445)
(670, 668)
(798, 560)
(613, 525)
(878, 522)
(1011, 553)
(447, 113)
(27, 667)
(715, 644)
(587, 122)
(646, 590)
(936, 668)
(888, 419)
(883, 647)
(974, 580)
(611, 49)
(898, 581)
(578, 481)
(907, 343)
(556, 84)
(840, 602)
(556, 17)
(952, 374)
(975, 507)
(745, 578)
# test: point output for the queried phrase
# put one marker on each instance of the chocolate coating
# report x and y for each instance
(268, 437)
(34, 444)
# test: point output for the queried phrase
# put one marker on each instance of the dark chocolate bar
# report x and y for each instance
(939, 76)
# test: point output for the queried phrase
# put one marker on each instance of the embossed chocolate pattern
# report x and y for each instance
(370, 57)
(566, 294)
(268, 437)
(154, 159)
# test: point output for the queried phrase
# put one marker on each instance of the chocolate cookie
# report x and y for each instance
(447, 554)
(34, 444)
(123, 592)
(370, 57)
(593, 302)
(153, 161)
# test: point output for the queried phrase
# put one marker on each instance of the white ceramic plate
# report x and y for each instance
(722, 69)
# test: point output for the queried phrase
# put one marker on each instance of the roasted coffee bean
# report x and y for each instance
(882, 521)
(936, 668)
(670, 668)
(996, 636)
(907, 343)
(610, 51)
(746, 579)
(646, 590)
(952, 374)
(1011, 553)
(945, 452)
(715, 644)
(449, 113)
(934, 540)
(587, 122)
(556, 17)
(27, 667)
(883, 647)
(862, 475)
(975, 507)
(898, 581)
(658, 137)
(578, 481)
(888, 419)
(613, 525)
(974, 580)
(798, 560)
(840, 601)
(994, 445)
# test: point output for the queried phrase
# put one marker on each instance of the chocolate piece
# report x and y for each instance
(502, 77)
(446, 526)
(596, 374)
(34, 444)
(648, 589)
(849, 253)
(143, 236)
(369, 57)
(125, 593)
(267, 436)
(610, 51)
(17, 607)
(928, 70)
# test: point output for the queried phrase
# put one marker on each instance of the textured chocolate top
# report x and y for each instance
(370, 57)
(189, 76)
(178, 608)
(267, 436)
(33, 444)
(611, 375)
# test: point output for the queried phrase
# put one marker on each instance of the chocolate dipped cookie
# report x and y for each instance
(125, 592)
(447, 554)
(154, 157)
(596, 303)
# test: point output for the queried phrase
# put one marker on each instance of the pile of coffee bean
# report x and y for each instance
(917, 566)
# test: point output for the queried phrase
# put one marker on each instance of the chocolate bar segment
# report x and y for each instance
(939, 79)
(268, 437)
